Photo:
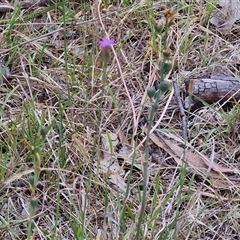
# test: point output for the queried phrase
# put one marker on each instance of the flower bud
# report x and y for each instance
(151, 92)
(164, 86)
(166, 67)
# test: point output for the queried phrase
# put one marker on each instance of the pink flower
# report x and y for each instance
(105, 42)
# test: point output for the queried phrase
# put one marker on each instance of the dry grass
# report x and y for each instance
(55, 108)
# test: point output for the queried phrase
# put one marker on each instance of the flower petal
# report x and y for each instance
(105, 42)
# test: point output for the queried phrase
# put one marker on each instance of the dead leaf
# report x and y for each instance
(177, 152)
(122, 137)
(109, 164)
(198, 161)
(224, 18)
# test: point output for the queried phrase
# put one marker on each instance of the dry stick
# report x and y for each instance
(119, 68)
(26, 76)
(182, 112)
(31, 40)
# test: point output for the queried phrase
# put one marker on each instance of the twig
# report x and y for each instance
(31, 40)
(182, 112)
(119, 68)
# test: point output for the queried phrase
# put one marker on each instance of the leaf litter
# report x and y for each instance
(198, 161)
(109, 163)
(225, 17)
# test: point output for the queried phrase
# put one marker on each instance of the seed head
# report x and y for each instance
(170, 15)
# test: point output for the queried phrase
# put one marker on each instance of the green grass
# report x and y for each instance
(72, 163)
